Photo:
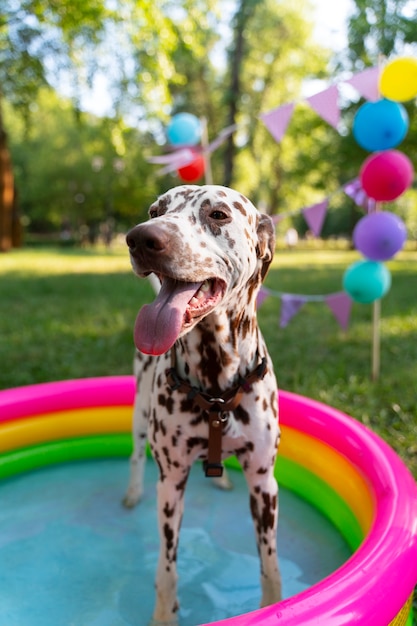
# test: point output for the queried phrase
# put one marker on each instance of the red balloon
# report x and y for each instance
(193, 171)
(386, 175)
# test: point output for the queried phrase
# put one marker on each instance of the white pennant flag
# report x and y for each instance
(326, 104)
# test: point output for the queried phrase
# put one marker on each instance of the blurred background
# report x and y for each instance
(87, 88)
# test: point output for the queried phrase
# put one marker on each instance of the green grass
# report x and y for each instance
(69, 314)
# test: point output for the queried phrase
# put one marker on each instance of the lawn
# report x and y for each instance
(70, 313)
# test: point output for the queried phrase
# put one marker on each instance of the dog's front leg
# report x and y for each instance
(144, 370)
(170, 493)
(138, 457)
(264, 509)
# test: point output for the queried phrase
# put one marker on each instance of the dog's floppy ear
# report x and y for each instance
(265, 247)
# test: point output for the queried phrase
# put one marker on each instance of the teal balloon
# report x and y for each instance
(380, 125)
(366, 281)
(184, 129)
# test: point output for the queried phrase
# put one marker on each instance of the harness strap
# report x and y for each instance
(216, 407)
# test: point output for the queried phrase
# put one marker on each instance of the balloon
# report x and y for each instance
(379, 236)
(366, 281)
(380, 125)
(184, 130)
(398, 80)
(191, 172)
(386, 175)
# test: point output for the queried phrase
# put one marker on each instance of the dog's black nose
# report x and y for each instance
(147, 237)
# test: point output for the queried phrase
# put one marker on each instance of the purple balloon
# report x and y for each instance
(380, 235)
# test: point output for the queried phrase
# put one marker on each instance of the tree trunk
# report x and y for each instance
(9, 230)
(243, 14)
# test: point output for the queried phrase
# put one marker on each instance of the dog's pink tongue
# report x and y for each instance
(158, 324)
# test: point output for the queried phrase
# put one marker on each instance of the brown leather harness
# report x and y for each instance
(216, 408)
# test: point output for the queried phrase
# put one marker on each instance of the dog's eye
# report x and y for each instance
(218, 215)
(153, 213)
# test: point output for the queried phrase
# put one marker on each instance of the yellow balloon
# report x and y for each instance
(398, 80)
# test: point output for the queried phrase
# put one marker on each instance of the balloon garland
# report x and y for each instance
(379, 126)
(185, 131)
(384, 176)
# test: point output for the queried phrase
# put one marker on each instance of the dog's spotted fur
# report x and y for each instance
(204, 233)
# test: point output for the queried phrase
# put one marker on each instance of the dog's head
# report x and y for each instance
(206, 245)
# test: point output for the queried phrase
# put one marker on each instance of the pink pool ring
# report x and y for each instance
(322, 448)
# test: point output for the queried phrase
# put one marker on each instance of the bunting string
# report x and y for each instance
(325, 103)
(315, 214)
(339, 303)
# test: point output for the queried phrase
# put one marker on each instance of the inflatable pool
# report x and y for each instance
(326, 457)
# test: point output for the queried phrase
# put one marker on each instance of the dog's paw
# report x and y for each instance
(131, 499)
(222, 482)
(157, 622)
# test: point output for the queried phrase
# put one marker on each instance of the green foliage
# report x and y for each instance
(79, 172)
(37, 37)
(162, 57)
(378, 27)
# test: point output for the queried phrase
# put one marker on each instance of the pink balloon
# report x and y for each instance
(386, 175)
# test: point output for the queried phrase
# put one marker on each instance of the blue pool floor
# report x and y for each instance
(71, 555)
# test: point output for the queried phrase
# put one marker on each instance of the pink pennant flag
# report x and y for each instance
(354, 190)
(277, 218)
(340, 305)
(278, 119)
(366, 83)
(174, 160)
(314, 215)
(326, 104)
(290, 305)
(262, 296)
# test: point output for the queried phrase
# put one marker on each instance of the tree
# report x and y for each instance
(379, 28)
(160, 58)
(31, 34)
(279, 57)
(79, 173)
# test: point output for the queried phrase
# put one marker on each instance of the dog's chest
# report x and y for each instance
(177, 422)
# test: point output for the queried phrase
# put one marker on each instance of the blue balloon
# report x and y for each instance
(366, 281)
(184, 129)
(380, 125)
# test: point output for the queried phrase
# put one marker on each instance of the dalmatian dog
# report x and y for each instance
(205, 382)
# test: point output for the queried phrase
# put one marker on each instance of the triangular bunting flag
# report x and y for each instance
(175, 157)
(290, 305)
(277, 218)
(354, 190)
(326, 104)
(314, 216)
(366, 83)
(340, 305)
(278, 119)
(262, 296)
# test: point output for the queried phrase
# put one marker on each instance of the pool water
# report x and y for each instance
(71, 555)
